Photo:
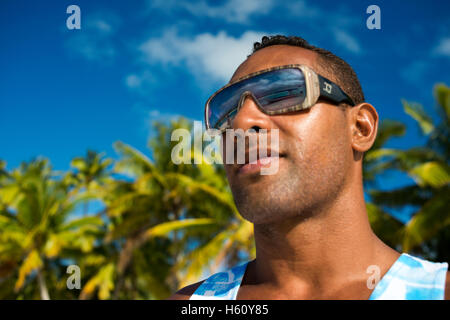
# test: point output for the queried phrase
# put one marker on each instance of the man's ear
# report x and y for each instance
(364, 126)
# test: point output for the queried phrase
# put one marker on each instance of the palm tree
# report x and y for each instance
(91, 173)
(383, 224)
(164, 225)
(37, 228)
(184, 210)
(429, 166)
(204, 192)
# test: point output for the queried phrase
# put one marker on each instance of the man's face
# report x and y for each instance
(314, 147)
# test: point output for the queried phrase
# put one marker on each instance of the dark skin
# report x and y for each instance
(312, 234)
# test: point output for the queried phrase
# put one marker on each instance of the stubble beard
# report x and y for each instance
(300, 189)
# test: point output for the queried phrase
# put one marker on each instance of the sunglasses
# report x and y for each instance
(276, 90)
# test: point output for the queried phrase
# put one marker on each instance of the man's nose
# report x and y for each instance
(250, 116)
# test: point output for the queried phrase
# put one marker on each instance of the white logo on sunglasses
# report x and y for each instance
(327, 87)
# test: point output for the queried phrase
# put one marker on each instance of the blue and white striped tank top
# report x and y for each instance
(409, 278)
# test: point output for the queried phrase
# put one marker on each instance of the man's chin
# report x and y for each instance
(258, 219)
(275, 218)
(259, 213)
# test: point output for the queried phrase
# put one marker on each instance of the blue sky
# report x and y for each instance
(64, 91)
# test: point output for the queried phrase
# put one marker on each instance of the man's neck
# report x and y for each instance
(321, 253)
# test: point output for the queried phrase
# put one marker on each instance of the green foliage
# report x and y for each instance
(417, 112)
(429, 167)
(36, 225)
(166, 224)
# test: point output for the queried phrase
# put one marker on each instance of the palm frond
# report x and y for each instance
(442, 94)
(30, 263)
(417, 112)
(388, 129)
(431, 218)
(433, 173)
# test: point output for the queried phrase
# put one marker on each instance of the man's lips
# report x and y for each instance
(259, 162)
(255, 166)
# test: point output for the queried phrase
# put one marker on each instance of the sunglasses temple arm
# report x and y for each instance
(331, 91)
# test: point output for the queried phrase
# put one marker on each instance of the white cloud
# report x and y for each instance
(102, 26)
(148, 114)
(338, 19)
(415, 72)
(205, 54)
(347, 41)
(443, 49)
(301, 9)
(231, 11)
(133, 81)
(141, 82)
(94, 41)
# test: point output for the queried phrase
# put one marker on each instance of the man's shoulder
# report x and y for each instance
(186, 292)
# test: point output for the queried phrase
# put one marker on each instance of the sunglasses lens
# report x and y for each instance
(275, 91)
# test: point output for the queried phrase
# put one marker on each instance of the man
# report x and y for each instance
(312, 234)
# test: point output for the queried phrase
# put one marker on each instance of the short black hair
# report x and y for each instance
(342, 73)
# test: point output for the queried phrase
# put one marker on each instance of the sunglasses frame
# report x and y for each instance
(316, 86)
